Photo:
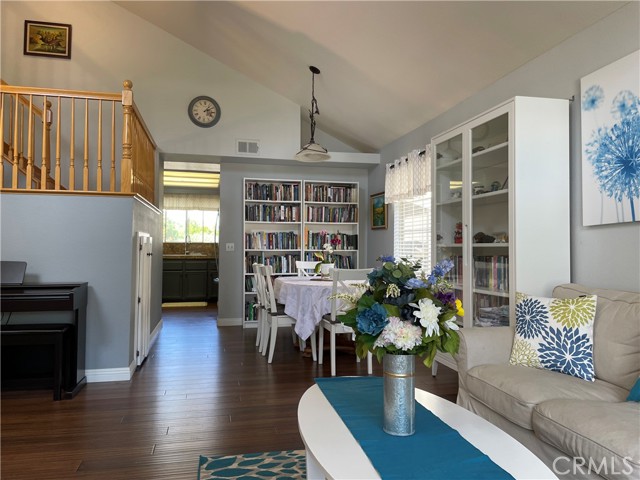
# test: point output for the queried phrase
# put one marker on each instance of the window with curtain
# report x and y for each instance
(408, 188)
(193, 216)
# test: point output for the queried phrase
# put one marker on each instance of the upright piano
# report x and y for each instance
(67, 335)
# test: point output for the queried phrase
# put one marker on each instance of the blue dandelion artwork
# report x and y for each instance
(610, 107)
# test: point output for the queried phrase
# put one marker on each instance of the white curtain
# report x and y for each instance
(181, 201)
(408, 177)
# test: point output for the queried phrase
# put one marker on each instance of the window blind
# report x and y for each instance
(412, 229)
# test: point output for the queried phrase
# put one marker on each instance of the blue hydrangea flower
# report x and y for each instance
(440, 270)
(415, 283)
(615, 155)
(624, 104)
(372, 320)
(592, 98)
(568, 351)
(531, 318)
(387, 258)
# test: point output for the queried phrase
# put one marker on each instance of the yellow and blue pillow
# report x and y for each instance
(555, 334)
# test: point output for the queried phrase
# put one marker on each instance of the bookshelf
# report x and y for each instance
(289, 220)
(501, 207)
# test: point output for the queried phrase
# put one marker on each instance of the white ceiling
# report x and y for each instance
(387, 67)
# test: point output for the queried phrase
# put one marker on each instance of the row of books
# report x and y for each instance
(330, 193)
(284, 192)
(492, 272)
(340, 261)
(272, 213)
(251, 311)
(280, 263)
(315, 241)
(272, 241)
(332, 214)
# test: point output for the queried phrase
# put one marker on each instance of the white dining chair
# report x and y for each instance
(306, 268)
(276, 317)
(262, 335)
(331, 321)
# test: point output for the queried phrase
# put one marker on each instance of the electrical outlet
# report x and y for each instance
(230, 247)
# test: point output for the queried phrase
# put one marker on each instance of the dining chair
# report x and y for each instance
(331, 321)
(303, 267)
(262, 334)
(276, 317)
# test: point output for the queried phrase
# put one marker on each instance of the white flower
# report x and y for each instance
(327, 248)
(402, 335)
(428, 314)
(393, 291)
(451, 324)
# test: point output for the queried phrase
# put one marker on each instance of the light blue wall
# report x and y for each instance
(606, 256)
(66, 238)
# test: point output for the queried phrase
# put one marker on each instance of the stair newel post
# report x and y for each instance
(85, 167)
(126, 172)
(58, 128)
(46, 132)
(30, 145)
(99, 174)
(112, 170)
(72, 146)
(16, 139)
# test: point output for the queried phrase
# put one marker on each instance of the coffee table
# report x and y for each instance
(333, 453)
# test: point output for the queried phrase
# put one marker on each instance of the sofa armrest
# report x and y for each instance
(483, 345)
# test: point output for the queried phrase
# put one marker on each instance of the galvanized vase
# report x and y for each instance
(399, 394)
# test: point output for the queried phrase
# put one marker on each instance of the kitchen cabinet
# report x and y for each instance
(189, 280)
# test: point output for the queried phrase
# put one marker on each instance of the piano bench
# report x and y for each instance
(32, 335)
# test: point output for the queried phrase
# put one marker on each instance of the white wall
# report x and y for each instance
(606, 256)
(110, 44)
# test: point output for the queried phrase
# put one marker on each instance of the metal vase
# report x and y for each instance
(399, 394)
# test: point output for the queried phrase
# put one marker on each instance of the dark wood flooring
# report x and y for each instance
(203, 390)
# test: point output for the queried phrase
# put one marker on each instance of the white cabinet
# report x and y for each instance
(501, 206)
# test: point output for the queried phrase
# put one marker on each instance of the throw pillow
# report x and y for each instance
(555, 334)
(634, 394)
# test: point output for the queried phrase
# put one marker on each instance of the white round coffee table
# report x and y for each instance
(333, 453)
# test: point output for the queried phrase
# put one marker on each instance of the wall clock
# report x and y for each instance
(204, 111)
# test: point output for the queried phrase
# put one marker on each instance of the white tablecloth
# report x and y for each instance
(305, 299)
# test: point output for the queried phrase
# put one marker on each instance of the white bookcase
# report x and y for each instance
(283, 221)
(501, 207)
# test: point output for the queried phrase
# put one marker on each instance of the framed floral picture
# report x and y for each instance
(610, 121)
(378, 211)
(46, 39)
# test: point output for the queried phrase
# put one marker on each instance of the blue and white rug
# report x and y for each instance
(286, 465)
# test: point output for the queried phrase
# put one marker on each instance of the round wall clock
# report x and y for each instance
(204, 111)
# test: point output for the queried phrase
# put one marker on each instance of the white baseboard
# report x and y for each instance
(155, 334)
(229, 322)
(97, 375)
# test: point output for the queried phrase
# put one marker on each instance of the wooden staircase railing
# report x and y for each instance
(100, 140)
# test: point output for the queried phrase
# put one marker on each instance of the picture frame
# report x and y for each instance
(378, 211)
(47, 39)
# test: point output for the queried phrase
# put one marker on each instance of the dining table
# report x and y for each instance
(305, 299)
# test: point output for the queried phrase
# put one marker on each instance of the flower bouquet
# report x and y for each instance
(405, 312)
(326, 256)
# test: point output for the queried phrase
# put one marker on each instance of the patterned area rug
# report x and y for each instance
(286, 465)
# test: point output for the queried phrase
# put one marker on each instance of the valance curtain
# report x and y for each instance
(408, 177)
(181, 201)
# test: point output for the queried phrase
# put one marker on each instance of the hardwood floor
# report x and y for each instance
(203, 390)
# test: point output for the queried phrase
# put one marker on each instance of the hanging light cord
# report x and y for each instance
(314, 108)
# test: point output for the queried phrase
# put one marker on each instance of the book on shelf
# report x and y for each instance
(281, 192)
(315, 192)
(342, 214)
(490, 311)
(491, 272)
(272, 213)
(280, 263)
(315, 241)
(272, 241)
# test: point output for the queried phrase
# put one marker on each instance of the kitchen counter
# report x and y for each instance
(188, 256)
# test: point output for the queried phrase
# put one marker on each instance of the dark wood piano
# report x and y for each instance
(40, 352)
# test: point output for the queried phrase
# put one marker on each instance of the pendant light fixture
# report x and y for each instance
(312, 152)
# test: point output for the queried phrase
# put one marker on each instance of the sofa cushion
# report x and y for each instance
(555, 334)
(609, 438)
(513, 391)
(616, 334)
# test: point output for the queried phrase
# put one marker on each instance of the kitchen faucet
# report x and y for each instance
(187, 244)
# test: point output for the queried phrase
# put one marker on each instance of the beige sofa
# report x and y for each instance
(580, 429)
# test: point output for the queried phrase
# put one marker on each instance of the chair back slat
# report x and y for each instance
(303, 267)
(340, 276)
(267, 272)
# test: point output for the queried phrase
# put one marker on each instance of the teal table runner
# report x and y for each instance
(436, 451)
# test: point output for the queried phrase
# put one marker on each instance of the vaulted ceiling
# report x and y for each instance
(387, 67)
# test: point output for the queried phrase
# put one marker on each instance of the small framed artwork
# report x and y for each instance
(378, 211)
(46, 39)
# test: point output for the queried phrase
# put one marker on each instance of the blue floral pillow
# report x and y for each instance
(634, 394)
(555, 334)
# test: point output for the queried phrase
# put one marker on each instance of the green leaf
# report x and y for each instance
(397, 273)
(392, 310)
(366, 301)
(452, 343)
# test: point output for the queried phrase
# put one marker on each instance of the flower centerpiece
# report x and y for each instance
(406, 312)
(326, 256)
